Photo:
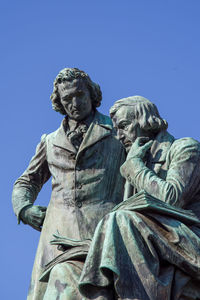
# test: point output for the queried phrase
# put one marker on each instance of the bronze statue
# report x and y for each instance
(148, 247)
(83, 157)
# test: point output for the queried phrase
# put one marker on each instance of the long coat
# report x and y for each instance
(85, 186)
(147, 255)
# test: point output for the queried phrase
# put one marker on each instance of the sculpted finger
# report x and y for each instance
(43, 208)
(36, 223)
(36, 227)
(39, 208)
(148, 145)
(37, 220)
(43, 214)
(140, 141)
(41, 219)
(136, 141)
(40, 215)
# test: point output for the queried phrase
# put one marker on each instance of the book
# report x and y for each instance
(143, 202)
(72, 250)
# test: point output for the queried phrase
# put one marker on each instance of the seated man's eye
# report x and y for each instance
(124, 126)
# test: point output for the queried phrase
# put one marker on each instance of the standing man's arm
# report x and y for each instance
(27, 187)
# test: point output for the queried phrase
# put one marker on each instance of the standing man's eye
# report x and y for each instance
(69, 98)
(80, 94)
(64, 99)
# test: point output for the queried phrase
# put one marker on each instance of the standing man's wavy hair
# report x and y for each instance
(69, 74)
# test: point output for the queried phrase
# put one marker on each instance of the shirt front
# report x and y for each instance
(75, 131)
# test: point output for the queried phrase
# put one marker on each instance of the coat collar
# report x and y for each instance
(60, 139)
(100, 127)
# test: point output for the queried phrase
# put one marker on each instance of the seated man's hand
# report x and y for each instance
(33, 216)
(139, 148)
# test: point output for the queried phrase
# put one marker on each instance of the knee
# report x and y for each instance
(123, 214)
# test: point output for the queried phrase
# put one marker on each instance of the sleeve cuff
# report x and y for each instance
(131, 168)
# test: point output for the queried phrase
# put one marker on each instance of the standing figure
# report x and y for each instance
(148, 247)
(83, 157)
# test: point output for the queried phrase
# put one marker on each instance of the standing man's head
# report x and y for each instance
(75, 94)
(136, 117)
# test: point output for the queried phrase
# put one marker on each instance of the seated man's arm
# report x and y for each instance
(27, 187)
(182, 178)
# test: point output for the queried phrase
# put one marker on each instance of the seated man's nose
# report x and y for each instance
(120, 134)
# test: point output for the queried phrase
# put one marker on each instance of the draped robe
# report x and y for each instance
(146, 255)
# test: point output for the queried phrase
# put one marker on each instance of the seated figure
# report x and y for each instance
(149, 246)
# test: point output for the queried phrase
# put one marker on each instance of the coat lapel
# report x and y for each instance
(61, 140)
(100, 128)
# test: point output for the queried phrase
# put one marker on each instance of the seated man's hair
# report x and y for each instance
(144, 111)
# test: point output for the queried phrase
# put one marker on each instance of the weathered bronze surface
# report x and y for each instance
(148, 247)
(83, 157)
(93, 245)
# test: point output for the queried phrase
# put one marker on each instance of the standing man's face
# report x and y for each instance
(75, 98)
(127, 127)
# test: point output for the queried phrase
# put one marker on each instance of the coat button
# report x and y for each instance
(79, 186)
(79, 204)
(72, 156)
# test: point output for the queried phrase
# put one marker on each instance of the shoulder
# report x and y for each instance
(185, 146)
(186, 142)
(47, 137)
(59, 131)
(103, 119)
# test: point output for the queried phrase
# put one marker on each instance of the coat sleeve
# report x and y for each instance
(28, 185)
(182, 179)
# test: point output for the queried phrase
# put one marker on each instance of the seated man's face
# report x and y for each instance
(127, 127)
(75, 98)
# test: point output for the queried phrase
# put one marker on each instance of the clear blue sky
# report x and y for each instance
(129, 47)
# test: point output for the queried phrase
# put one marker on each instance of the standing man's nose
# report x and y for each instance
(76, 101)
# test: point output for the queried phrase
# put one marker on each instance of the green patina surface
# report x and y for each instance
(146, 247)
(84, 166)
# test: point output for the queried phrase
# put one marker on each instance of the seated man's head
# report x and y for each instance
(75, 94)
(136, 117)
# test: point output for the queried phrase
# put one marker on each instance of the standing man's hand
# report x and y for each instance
(33, 216)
